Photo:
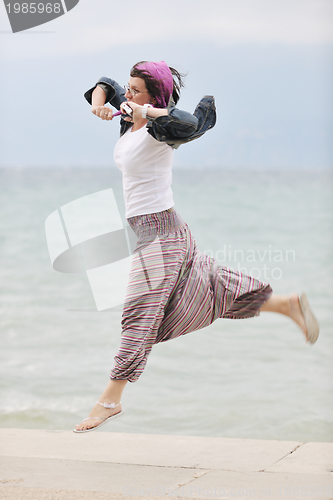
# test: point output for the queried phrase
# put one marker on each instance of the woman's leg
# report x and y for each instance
(156, 264)
(288, 305)
(111, 394)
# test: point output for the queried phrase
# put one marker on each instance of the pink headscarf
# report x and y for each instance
(160, 71)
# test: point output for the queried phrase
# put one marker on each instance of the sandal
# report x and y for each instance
(103, 420)
(311, 323)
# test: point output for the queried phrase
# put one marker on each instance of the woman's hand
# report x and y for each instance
(137, 113)
(103, 112)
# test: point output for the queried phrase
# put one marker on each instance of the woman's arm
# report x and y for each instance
(165, 124)
(156, 112)
(114, 93)
(150, 111)
(98, 98)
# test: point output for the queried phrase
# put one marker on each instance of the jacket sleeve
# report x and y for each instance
(115, 94)
(180, 126)
(177, 124)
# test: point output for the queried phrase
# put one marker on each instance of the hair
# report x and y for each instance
(153, 86)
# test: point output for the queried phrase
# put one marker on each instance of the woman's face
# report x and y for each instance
(139, 93)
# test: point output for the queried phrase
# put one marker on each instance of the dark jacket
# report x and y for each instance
(175, 129)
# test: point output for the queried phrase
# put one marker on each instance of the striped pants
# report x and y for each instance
(174, 289)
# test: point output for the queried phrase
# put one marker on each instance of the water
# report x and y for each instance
(252, 378)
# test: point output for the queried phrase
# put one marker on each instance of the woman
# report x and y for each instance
(173, 289)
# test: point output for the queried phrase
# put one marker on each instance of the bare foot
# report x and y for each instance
(297, 315)
(100, 413)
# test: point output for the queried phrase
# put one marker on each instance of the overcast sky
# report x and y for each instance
(94, 23)
(268, 63)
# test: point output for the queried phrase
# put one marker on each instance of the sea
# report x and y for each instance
(250, 378)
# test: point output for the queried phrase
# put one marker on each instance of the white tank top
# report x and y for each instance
(146, 165)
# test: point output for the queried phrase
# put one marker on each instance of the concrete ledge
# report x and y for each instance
(60, 464)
